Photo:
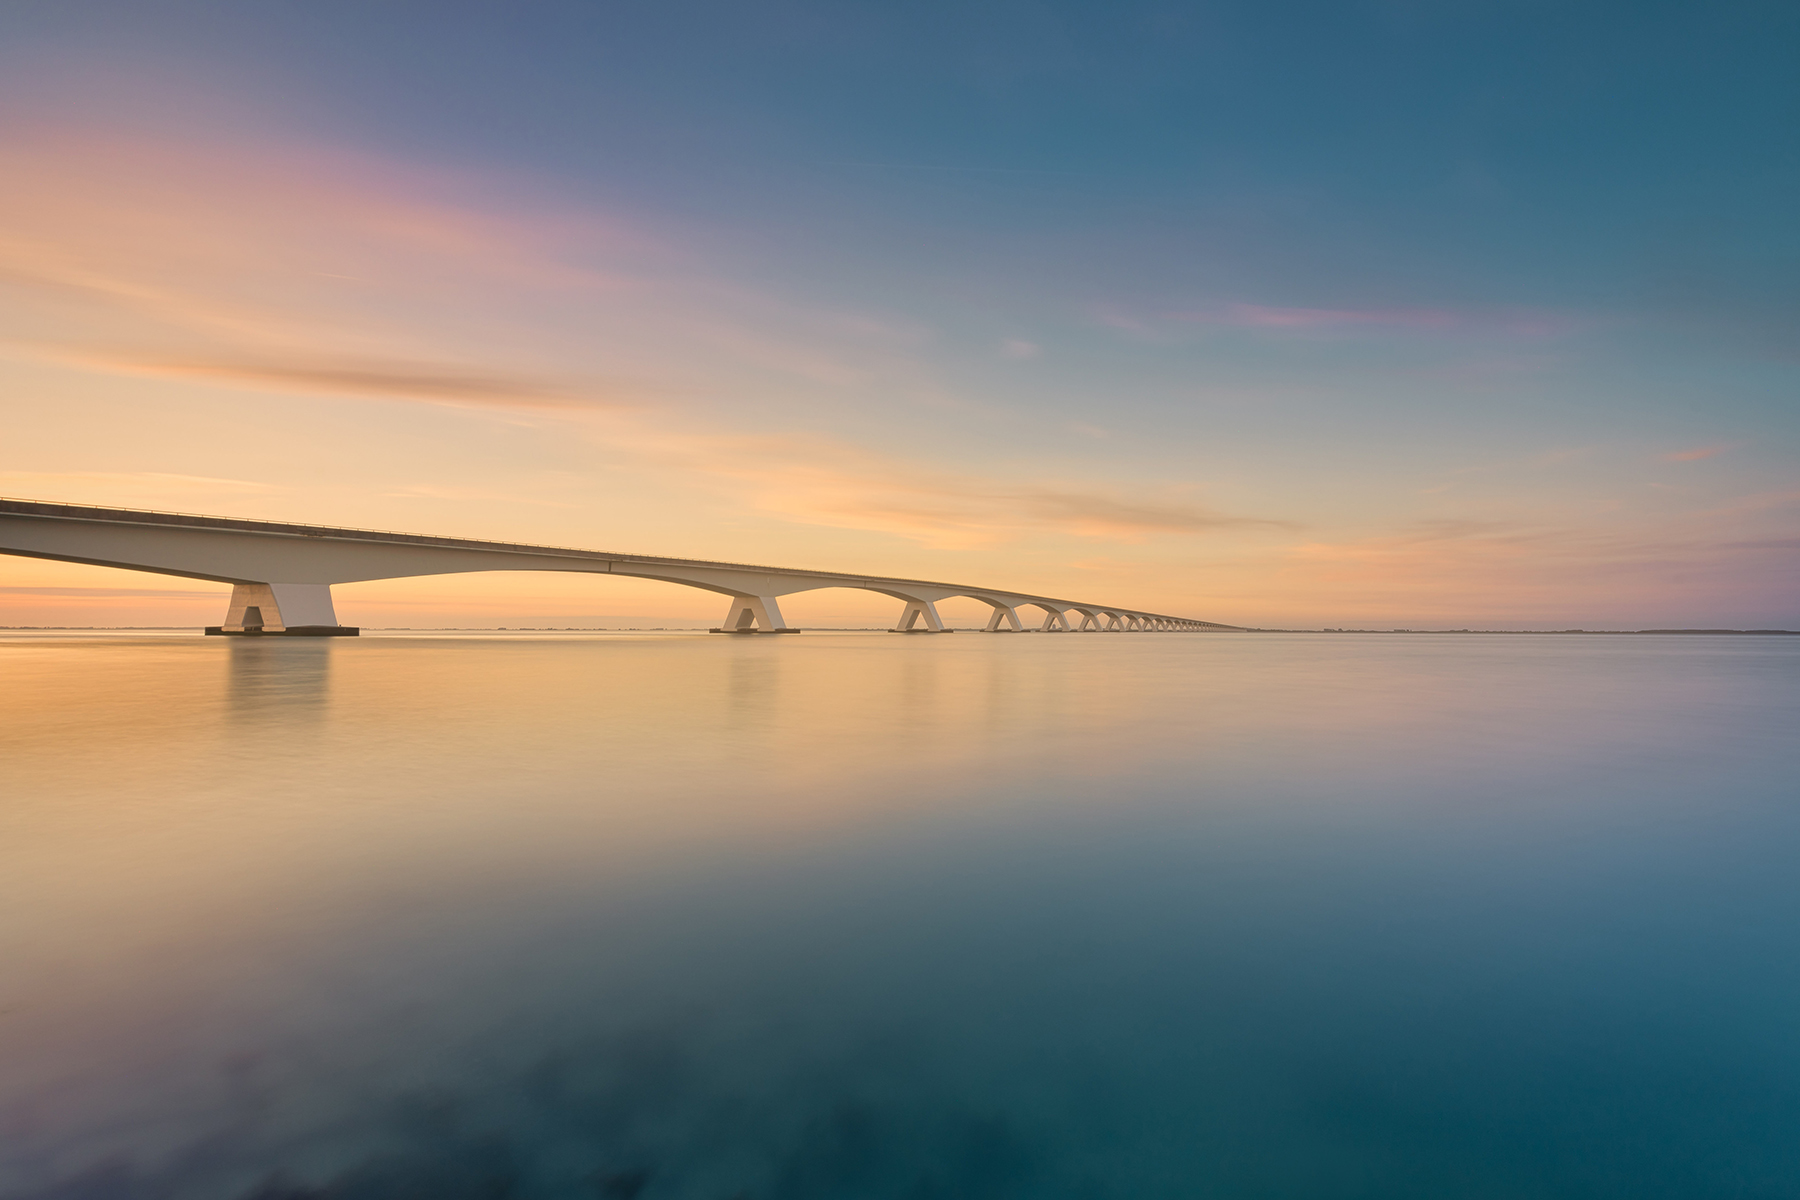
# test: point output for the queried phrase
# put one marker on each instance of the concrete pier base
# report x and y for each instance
(754, 614)
(290, 631)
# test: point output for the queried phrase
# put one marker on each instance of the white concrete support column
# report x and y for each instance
(1054, 621)
(1089, 620)
(1113, 623)
(1004, 613)
(916, 609)
(252, 606)
(279, 607)
(303, 604)
(754, 614)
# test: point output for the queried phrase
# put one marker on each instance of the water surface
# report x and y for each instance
(852, 915)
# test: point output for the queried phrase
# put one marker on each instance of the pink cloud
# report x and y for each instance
(1258, 316)
(280, 264)
(1696, 454)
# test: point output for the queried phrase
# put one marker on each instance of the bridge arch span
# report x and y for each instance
(282, 574)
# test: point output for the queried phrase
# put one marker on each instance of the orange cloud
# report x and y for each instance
(823, 481)
(439, 382)
(140, 488)
(107, 593)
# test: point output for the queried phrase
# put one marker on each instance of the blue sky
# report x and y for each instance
(1315, 313)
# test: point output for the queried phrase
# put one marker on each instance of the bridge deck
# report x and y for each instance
(201, 521)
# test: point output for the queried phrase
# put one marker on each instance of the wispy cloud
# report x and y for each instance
(823, 481)
(1261, 316)
(1757, 503)
(1273, 319)
(484, 495)
(106, 593)
(1468, 569)
(440, 382)
(130, 488)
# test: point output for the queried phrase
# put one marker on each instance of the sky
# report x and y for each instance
(1299, 314)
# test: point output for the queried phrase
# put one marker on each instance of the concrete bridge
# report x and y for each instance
(281, 575)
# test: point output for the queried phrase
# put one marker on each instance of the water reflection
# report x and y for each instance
(277, 686)
(875, 916)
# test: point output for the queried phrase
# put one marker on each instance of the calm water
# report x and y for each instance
(848, 916)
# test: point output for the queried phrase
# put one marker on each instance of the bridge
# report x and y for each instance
(281, 575)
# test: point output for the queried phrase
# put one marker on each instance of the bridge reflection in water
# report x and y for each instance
(281, 574)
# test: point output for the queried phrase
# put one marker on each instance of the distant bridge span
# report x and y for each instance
(281, 575)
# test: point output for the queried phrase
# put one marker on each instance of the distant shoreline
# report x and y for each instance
(1604, 632)
(873, 629)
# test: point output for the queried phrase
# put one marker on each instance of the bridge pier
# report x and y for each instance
(281, 610)
(915, 609)
(754, 614)
(1003, 614)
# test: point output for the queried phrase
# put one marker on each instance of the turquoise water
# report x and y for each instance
(858, 915)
